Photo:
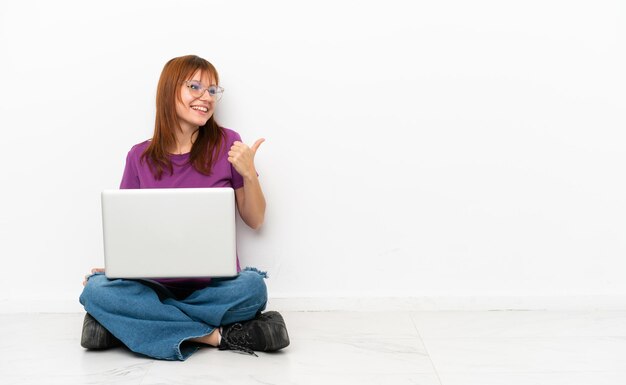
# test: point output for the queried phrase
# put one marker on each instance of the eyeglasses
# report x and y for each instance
(197, 90)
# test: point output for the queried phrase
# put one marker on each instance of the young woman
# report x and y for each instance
(171, 318)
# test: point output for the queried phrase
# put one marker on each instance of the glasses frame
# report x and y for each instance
(218, 90)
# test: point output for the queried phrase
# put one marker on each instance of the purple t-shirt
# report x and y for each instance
(137, 174)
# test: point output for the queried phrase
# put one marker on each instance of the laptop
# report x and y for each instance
(169, 233)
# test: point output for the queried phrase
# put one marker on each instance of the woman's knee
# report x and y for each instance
(251, 300)
(99, 289)
(253, 282)
(97, 279)
(93, 288)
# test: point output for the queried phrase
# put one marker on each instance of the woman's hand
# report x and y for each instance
(93, 271)
(242, 157)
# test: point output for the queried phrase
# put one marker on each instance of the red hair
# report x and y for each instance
(209, 138)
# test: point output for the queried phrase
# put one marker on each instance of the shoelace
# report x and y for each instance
(236, 339)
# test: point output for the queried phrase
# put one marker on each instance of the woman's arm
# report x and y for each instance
(251, 202)
(250, 199)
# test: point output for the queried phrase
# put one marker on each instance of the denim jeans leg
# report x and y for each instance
(226, 300)
(134, 314)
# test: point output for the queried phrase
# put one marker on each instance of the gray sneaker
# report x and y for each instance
(96, 337)
(265, 333)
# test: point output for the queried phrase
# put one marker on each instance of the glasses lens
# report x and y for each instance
(215, 92)
(195, 88)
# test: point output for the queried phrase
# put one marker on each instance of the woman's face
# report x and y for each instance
(194, 112)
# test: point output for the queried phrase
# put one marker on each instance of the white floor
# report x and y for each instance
(445, 348)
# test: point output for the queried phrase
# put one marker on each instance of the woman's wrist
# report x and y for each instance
(250, 177)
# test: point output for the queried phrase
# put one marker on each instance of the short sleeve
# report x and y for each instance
(237, 179)
(130, 179)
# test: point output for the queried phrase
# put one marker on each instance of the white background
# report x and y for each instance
(435, 150)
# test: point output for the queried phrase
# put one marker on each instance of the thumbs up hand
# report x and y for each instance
(242, 157)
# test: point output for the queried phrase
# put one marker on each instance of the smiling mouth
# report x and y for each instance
(200, 108)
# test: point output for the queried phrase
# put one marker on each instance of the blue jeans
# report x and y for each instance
(149, 319)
